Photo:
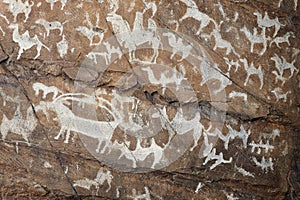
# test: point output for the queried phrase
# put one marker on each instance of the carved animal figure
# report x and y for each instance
(51, 25)
(264, 164)
(26, 42)
(37, 87)
(219, 159)
(256, 39)
(18, 124)
(234, 94)
(231, 63)
(138, 36)
(178, 46)
(193, 11)
(211, 73)
(141, 153)
(280, 95)
(18, 6)
(282, 39)
(107, 55)
(185, 125)
(221, 43)
(165, 80)
(70, 122)
(281, 65)
(92, 31)
(52, 2)
(252, 70)
(102, 176)
(266, 22)
(145, 196)
(93, 56)
(150, 5)
(62, 47)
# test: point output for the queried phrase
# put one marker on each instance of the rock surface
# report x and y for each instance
(145, 99)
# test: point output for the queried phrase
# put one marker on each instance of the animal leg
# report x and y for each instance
(38, 49)
(62, 129)
(67, 136)
(252, 46)
(20, 53)
(99, 145)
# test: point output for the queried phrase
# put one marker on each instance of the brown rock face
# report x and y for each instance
(145, 99)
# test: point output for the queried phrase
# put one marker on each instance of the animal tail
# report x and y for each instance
(46, 47)
(65, 22)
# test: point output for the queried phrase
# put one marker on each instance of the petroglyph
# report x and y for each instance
(174, 22)
(236, 16)
(140, 153)
(107, 55)
(40, 87)
(231, 63)
(101, 177)
(62, 47)
(232, 134)
(131, 7)
(138, 36)
(3, 33)
(7, 98)
(266, 146)
(18, 6)
(219, 159)
(184, 127)
(121, 117)
(178, 46)
(6, 20)
(4, 17)
(221, 43)
(295, 4)
(285, 38)
(209, 72)
(254, 38)
(264, 164)
(199, 186)
(280, 95)
(243, 171)
(230, 196)
(92, 31)
(148, 6)
(193, 12)
(18, 124)
(281, 65)
(26, 42)
(219, 5)
(47, 165)
(266, 22)
(52, 2)
(54, 25)
(271, 136)
(295, 52)
(234, 94)
(164, 80)
(251, 70)
(145, 196)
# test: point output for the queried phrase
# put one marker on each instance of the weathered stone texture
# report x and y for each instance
(201, 98)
